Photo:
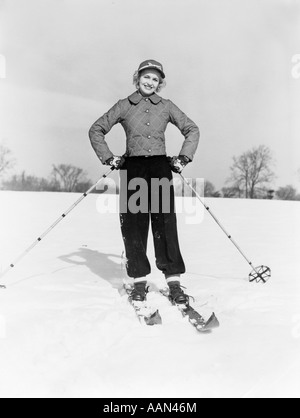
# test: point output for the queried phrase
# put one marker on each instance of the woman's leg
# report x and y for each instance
(134, 226)
(164, 223)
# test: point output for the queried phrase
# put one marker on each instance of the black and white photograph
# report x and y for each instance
(149, 201)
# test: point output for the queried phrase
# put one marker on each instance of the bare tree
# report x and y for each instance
(231, 192)
(252, 170)
(210, 190)
(68, 176)
(24, 182)
(287, 193)
(6, 162)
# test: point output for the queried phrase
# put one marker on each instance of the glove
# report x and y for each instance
(178, 163)
(116, 163)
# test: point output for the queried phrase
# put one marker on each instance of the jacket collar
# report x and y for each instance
(136, 97)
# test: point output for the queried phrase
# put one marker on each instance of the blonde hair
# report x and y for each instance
(136, 81)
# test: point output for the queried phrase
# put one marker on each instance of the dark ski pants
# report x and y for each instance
(142, 201)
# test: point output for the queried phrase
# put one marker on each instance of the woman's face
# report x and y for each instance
(149, 82)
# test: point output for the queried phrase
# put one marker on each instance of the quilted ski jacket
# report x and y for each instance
(144, 120)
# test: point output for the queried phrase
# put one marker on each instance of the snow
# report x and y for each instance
(67, 330)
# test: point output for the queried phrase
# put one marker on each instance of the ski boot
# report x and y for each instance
(177, 295)
(139, 292)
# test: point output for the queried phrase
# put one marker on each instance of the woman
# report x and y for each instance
(144, 116)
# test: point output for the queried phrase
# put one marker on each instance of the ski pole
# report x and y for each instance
(21, 256)
(262, 273)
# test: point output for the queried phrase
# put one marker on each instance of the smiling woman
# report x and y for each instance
(149, 71)
(144, 116)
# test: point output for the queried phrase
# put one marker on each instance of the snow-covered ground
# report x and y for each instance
(66, 329)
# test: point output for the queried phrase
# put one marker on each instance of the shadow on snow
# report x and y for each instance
(100, 264)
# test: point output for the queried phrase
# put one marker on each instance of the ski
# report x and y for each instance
(144, 311)
(193, 316)
(197, 320)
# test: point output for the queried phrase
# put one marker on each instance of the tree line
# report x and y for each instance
(251, 177)
(63, 178)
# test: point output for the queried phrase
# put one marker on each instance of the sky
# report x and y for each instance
(233, 66)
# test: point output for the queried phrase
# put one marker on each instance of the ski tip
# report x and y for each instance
(154, 319)
(212, 323)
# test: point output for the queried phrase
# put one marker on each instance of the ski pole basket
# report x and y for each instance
(260, 274)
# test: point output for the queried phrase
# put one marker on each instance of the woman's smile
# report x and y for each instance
(149, 82)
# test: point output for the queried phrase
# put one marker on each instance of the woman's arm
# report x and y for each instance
(188, 129)
(100, 128)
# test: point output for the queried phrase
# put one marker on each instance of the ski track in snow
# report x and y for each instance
(67, 330)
